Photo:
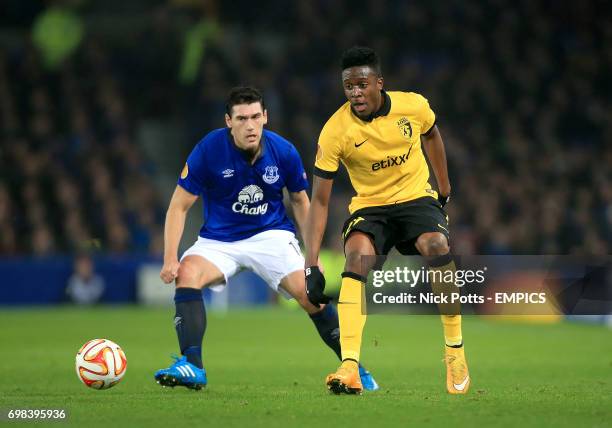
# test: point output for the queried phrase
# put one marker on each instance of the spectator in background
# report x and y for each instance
(85, 287)
(520, 88)
(8, 242)
(57, 32)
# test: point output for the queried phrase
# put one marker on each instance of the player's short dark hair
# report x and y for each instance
(243, 95)
(359, 56)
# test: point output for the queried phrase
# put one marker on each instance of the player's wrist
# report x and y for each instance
(314, 269)
(444, 191)
(311, 261)
(170, 259)
(443, 200)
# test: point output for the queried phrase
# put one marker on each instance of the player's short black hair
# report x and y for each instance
(361, 55)
(243, 95)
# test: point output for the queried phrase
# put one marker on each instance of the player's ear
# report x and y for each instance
(265, 116)
(228, 120)
(380, 83)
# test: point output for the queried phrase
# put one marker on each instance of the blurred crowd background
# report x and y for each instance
(101, 102)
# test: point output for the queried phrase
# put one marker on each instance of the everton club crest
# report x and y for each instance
(271, 175)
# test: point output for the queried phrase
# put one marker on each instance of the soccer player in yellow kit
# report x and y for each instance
(379, 137)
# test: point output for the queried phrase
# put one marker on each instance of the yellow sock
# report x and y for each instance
(350, 317)
(450, 313)
(452, 329)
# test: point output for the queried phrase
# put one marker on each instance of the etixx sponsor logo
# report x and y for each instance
(391, 161)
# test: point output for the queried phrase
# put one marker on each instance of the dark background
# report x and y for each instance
(90, 146)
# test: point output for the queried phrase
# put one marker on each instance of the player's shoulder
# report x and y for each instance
(337, 122)
(413, 99)
(278, 141)
(279, 144)
(409, 103)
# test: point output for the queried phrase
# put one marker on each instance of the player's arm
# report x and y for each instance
(315, 228)
(327, 160)
(180, 204)
(317, 218)
(434, 147)
(300, 205)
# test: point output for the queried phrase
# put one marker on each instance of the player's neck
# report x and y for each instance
(382, 99)
(379, 104)
(250, 155)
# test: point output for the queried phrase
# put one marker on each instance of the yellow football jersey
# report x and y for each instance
(383, 156)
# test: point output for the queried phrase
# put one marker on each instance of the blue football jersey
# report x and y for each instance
(240, 199)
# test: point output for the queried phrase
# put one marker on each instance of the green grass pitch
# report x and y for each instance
(267, 367)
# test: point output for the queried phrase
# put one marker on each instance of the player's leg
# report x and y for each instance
(325, 320)
(277, 258)
(434, 246)
(274, 255)
(194, 273)
(423, 225)
(367, 232)
(350, 303)
(350, 312)
(206, 263)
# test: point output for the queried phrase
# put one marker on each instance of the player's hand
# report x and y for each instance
(169, 271)
(443, 199)
(315, 285)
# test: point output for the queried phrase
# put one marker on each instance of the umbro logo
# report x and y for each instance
(228, 173)
(360, 144)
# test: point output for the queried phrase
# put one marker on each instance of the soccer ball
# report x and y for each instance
(100, 363)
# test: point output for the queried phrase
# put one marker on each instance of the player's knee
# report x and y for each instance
(303, 301)
(354, 262)
(433, 245)
(302, 298)
(188, 276)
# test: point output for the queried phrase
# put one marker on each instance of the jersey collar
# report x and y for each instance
(382, 111)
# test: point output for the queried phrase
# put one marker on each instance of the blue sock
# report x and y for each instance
(326, 322)
(190, 323)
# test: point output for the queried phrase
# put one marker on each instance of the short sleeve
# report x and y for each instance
(192, 176)
(328, 154)
(296, 179)
(426, 116)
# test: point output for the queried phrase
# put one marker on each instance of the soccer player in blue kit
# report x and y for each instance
(240, 171)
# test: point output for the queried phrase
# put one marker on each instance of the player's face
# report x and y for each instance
(362, 88)
(246, 124)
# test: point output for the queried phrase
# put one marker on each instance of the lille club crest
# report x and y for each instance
(405, 128)
(271, 175)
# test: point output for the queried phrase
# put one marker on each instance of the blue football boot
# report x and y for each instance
(367, 380)
(182, 373)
